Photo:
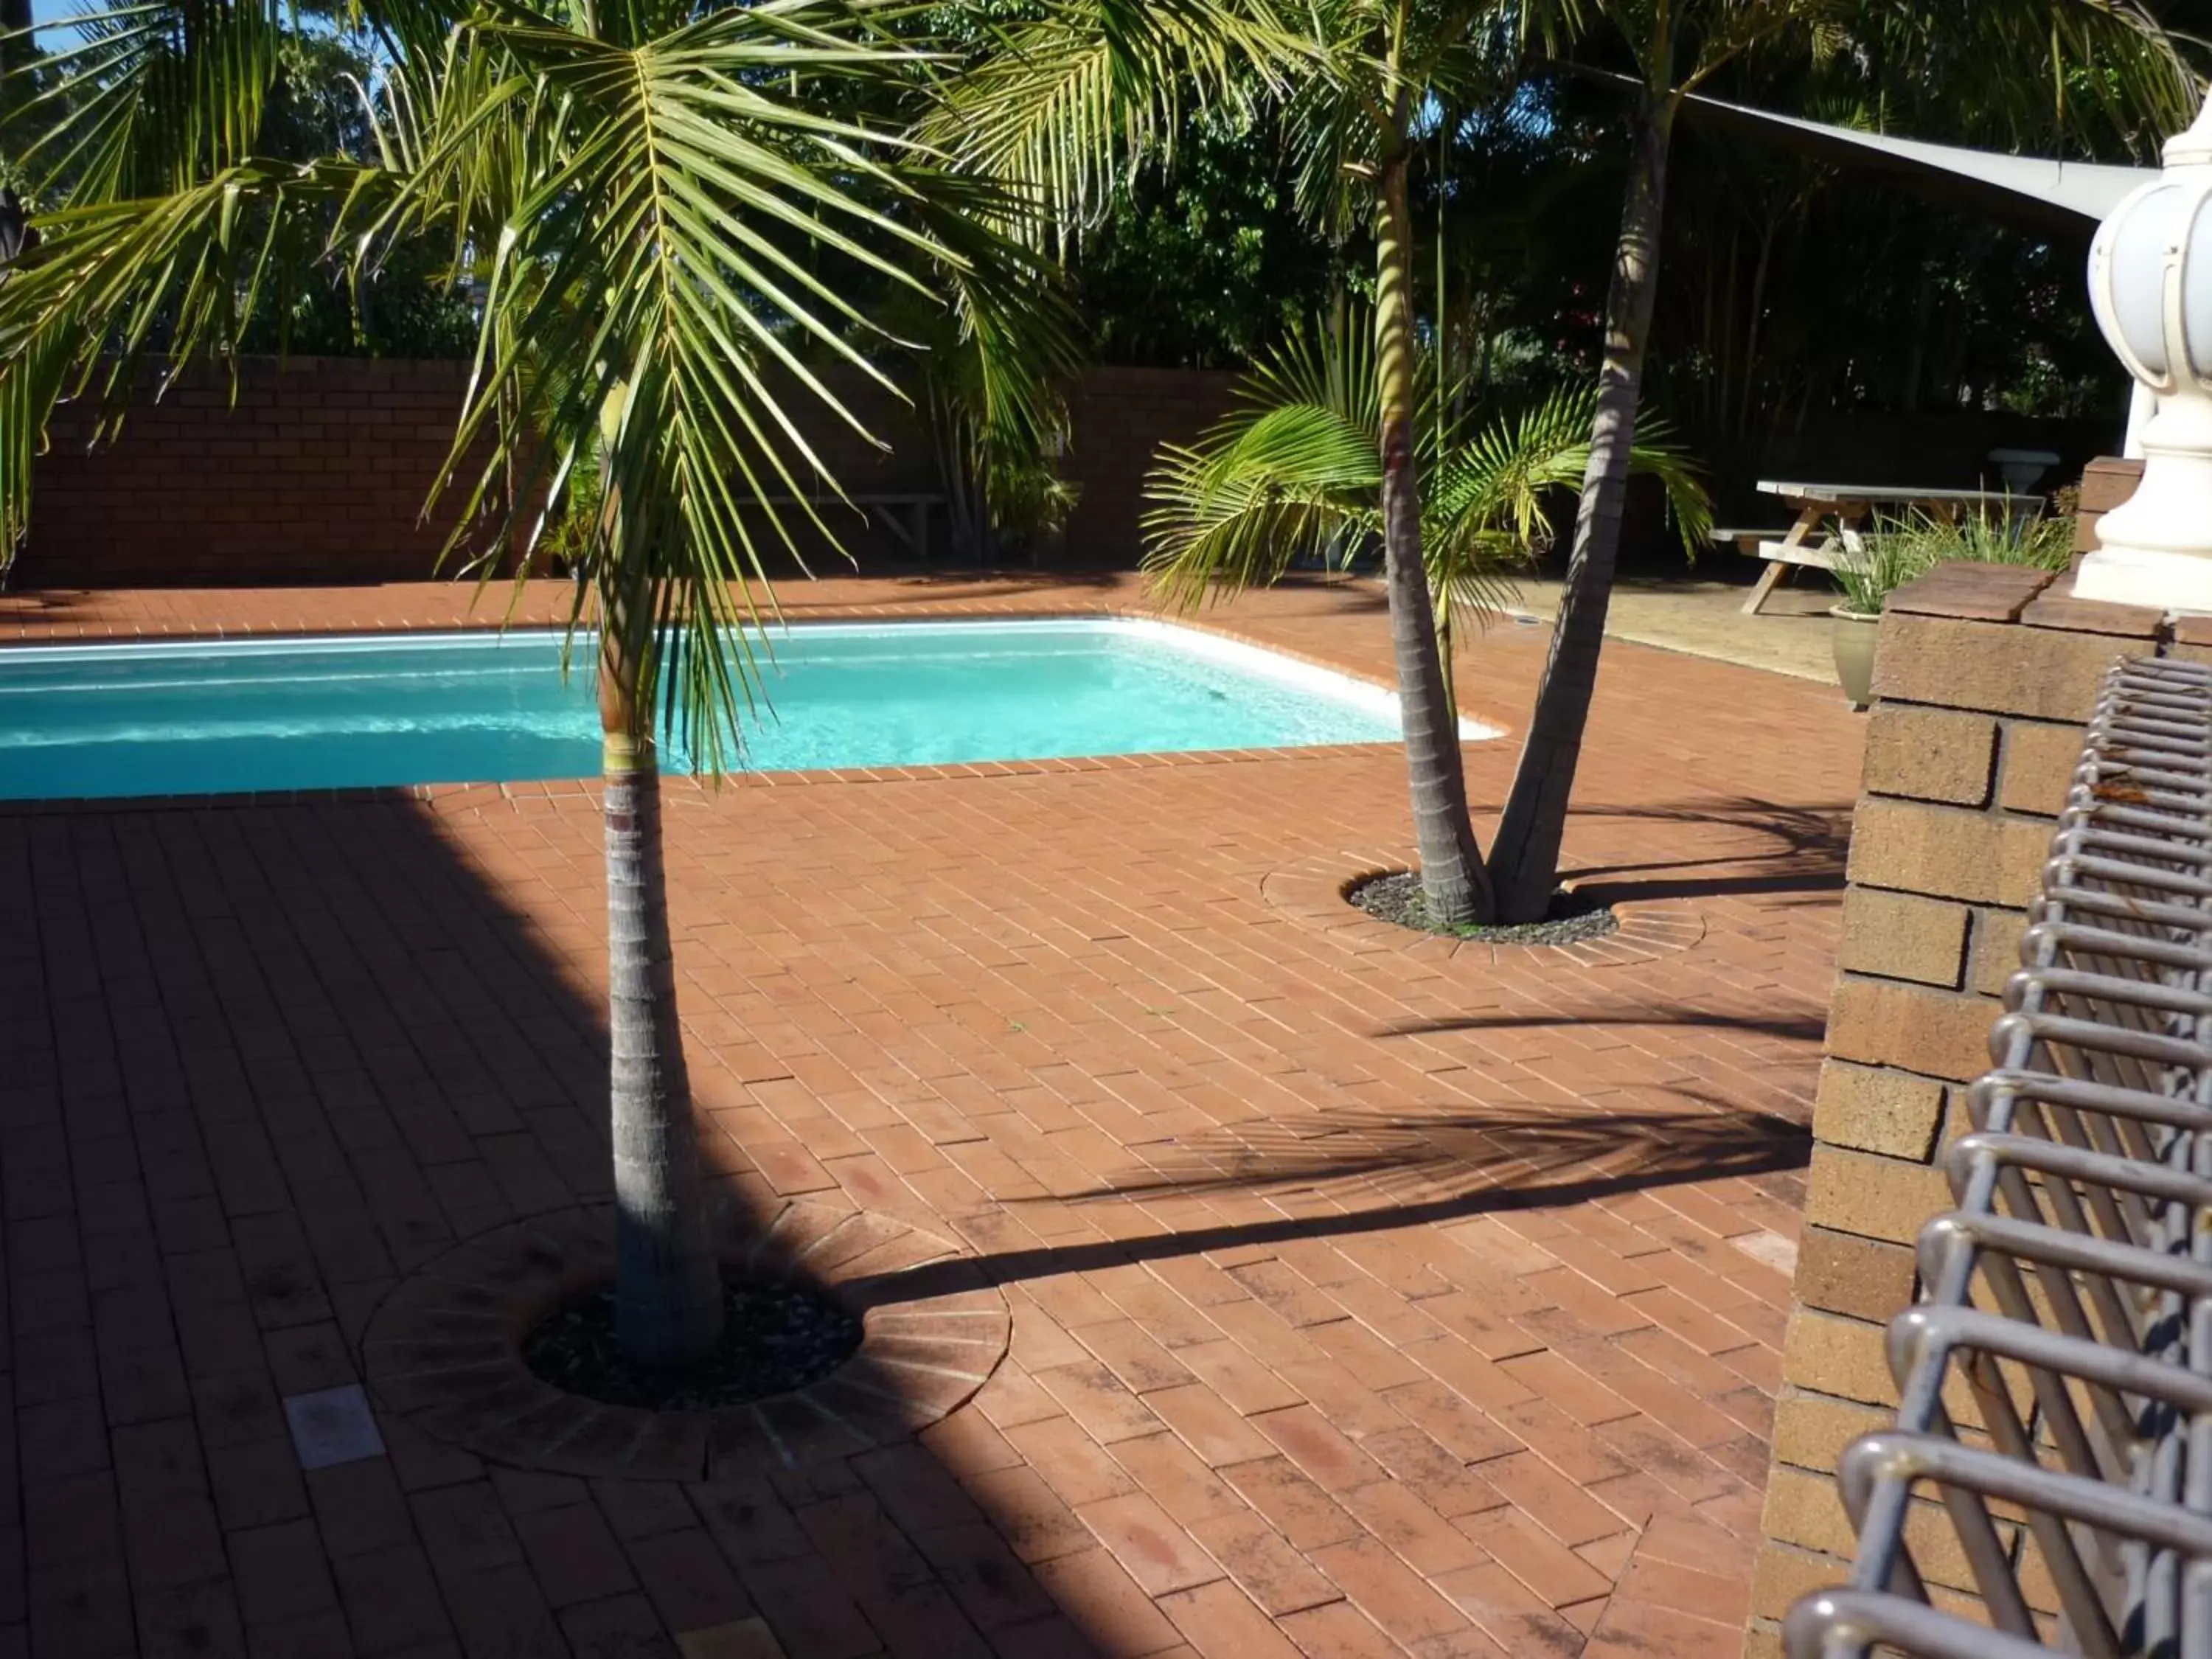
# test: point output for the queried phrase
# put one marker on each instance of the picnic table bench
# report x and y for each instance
(1835, 515)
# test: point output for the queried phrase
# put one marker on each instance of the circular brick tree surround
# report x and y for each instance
(443, 1353)
(1316, 892)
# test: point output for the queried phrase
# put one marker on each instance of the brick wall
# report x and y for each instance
(1118, 418)
(318, 471)
(1986, 679)
(318, 474)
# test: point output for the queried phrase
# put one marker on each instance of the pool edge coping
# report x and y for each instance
(679, 789)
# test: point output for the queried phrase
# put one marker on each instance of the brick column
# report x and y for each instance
(1986, 679)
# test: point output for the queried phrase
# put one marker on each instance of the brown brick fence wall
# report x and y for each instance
(318, 474)
(319, 470)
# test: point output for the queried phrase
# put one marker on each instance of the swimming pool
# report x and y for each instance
(215, 717)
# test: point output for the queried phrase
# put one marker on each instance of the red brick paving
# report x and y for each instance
(1366, 1300)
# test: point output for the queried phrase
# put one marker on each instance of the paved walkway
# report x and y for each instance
(1366, 1299)
(1792, 636)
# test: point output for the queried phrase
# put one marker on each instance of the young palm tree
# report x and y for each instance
(1294, 471)
(674, 217)
(1677, 47)
(1086, 87)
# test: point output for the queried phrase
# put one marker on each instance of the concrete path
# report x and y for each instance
(1705, 619)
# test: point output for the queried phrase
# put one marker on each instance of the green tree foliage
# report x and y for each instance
(1205, 261)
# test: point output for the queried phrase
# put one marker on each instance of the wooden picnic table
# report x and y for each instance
(1834, 513)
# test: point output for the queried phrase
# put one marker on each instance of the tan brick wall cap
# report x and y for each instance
(1978, 592)
(2057, 607)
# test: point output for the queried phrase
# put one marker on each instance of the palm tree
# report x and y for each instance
(1086, 87)
(676, 218)
(1294, 471)
(1676, 48)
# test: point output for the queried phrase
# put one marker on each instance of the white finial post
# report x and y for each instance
(2150, 280)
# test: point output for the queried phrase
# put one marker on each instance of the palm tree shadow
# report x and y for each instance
(1800, 1027)
(357, 1010)
(1385, 1171)
(1809, 850)
(1520, 1155)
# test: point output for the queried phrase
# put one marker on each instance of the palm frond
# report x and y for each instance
(109, 283)
(30, 381)
(1330, 368)
(2019, 67)
(1227, 521)
(146, 99)
(1510, 475)
(1066, 101)
(1296, 466)
(1293, 469)
(680, 245)
(1010, 319)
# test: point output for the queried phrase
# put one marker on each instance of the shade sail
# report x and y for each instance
(2068, 198)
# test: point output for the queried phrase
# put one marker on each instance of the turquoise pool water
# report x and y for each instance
(211, 718)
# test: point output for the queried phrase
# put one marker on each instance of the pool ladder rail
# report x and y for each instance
(2067, 1301)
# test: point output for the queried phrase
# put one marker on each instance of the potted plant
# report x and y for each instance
(1906, 549)
(1882, 566)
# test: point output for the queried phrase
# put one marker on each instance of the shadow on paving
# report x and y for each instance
(1390, 1171)
(259, 1061)
(1811, 850)
(1792, 1028)
(43, 606)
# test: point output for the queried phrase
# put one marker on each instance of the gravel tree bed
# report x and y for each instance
(1397, 899)
(776, 1338)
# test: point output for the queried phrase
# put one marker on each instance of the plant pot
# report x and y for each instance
(1855, 636)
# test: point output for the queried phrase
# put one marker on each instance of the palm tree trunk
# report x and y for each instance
(13, 15)
(1525, 861)
(1453, 880)
(668, 1293)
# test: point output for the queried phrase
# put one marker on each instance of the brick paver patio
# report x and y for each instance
(1366, 1299)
